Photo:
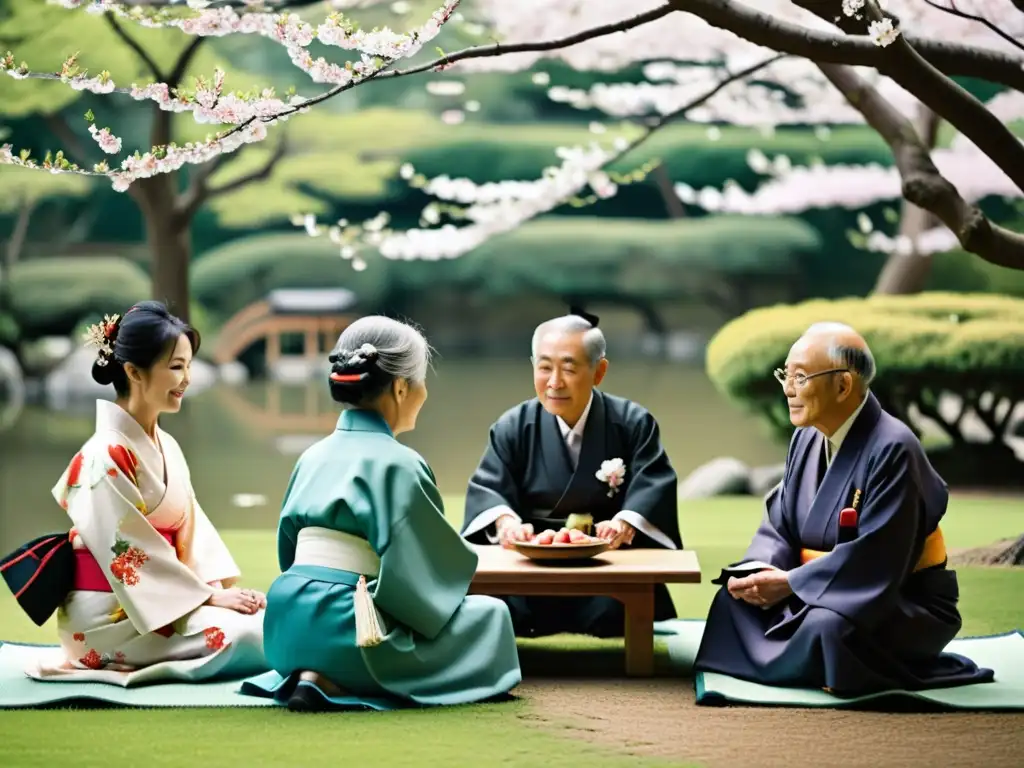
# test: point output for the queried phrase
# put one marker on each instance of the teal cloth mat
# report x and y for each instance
(1002, 653)
(17, 691)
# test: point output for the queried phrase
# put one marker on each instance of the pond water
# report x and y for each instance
(241, 442)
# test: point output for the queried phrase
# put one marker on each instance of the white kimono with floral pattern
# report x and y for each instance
(121, 491)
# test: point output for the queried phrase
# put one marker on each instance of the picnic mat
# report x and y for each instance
(18, 691)
(1002, 653)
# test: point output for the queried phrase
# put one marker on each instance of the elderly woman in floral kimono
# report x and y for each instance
(143, 586)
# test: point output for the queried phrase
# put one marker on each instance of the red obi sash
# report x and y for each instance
(88, 574)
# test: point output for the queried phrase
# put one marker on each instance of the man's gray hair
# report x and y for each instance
(858, 360)
(403, 352)
(594, 344)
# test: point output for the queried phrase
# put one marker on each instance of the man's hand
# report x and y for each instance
(763, 589)
(510, 530)
(618, 532)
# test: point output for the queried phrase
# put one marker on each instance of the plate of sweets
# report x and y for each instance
(569, 543)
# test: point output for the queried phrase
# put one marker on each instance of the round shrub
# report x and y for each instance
(50, 297)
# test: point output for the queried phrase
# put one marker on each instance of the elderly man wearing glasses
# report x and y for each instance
(844, 586)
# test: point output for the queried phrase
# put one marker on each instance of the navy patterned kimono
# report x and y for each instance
(526, 467)
(873, 613)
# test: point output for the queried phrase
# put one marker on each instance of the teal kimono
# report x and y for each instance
(439, 645)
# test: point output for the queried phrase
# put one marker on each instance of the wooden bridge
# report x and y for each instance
(319, 315)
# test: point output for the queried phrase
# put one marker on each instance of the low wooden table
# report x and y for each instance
(629, 576)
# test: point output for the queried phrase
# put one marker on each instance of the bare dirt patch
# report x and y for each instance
(990, 554)
(659, 718)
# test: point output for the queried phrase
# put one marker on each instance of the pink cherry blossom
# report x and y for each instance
(108, 142)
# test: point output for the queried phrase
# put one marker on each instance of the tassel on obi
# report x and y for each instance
(368, 629)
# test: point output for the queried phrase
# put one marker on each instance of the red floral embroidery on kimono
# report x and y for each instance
(214, 638)
(126, 461)
(73, 476)
(75, 470)
(79, 637)
(127, 562)
(92, 660)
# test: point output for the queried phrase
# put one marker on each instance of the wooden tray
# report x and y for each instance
(560, 552)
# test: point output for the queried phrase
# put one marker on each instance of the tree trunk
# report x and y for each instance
(673, 205)
(907, 273)
(12, 253)
(170, 242)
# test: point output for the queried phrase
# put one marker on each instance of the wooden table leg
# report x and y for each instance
(639, 632)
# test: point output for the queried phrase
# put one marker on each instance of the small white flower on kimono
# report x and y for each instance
(100, 466)
(613, 472)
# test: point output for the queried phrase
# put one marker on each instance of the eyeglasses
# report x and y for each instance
(800, 379)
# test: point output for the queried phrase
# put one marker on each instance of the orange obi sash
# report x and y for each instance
(88, 574)
(934, 552)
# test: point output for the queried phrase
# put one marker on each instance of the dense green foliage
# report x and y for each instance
(9, 332)
(52, 296)
(639, 259)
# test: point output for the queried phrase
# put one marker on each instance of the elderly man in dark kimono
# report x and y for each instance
(574, 449)
(845, 585)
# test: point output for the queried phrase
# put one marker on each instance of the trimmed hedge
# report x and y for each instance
(52, 296)
(636, 257)
(229, 278)
(924, 345)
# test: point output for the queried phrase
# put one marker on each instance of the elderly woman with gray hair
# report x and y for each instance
(371, 608)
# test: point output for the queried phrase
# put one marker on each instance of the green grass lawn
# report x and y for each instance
(483, 735)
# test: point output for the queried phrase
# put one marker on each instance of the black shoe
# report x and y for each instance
(306, 698)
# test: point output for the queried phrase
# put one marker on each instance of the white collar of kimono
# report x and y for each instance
(840, 434)
(580, 425)
(111, 416)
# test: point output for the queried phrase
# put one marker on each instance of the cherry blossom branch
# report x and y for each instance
(952, 102)
(499, 49)
(249, 116)
(768, 31)
(923, 184)
(951, 58)
(952, 10)
(892, 56)
(286, 29)
(474, 52)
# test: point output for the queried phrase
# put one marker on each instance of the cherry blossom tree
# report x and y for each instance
(763, 62)
(792, 90)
